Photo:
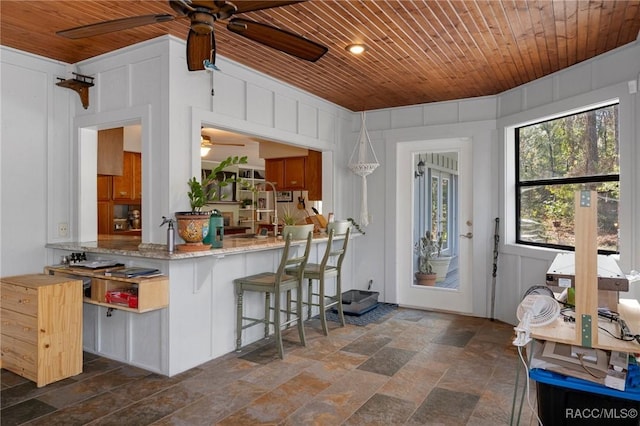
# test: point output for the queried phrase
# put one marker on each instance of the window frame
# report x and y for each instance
(611, 177)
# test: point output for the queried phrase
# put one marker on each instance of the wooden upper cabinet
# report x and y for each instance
(128, 186)
(294, 173)
(110, 151)
(274, 172)
(104, 188)
(313, 176)
(297, 174)
(286, 173)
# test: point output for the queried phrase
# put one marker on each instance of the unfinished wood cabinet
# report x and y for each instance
(41, 327)
(110, 151)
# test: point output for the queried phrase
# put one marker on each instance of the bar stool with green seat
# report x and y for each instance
(321, 272)
(275, 283)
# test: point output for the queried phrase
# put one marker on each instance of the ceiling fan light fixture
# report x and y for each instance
(357, 48)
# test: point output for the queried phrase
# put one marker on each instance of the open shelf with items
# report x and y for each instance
(256, 202)
(150, 293)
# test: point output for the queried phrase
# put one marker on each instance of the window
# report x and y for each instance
(554, 159)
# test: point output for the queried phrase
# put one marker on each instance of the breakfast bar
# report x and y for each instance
(198, 322)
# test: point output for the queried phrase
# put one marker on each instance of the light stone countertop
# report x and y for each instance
(133, 246)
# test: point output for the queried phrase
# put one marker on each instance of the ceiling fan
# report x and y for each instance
(201, 45)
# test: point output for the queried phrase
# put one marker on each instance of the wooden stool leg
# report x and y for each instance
(239, 295)
(288, 307)
(267, 313)
(339, 296)
(276, 325)
(299, 312)
(310, 299)
(321, 300)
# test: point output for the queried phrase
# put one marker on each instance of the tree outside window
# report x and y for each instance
(554, 159)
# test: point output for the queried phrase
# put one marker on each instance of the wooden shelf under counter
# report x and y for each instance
(153, 292)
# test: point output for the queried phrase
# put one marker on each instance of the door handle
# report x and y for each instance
(467, 235)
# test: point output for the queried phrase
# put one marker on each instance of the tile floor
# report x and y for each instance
(410, 368)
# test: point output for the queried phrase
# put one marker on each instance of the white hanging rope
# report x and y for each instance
(363, 167)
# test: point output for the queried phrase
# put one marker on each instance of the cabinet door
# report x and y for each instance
(110, 151)
(274, 172)
(123, 185)
(314, 175)
(105, 217)
(104, 188)
(294, 171)
(129, 186)
(137, 175)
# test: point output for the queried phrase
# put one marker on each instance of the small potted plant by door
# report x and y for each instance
(425, 248)
(193, 226)
(290, 221)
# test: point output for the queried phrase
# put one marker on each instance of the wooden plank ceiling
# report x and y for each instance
(419, 51)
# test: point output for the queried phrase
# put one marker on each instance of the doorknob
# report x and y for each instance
(467, 235)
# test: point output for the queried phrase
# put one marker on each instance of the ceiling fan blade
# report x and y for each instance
(250, 6)
(282, 40)
(199, 48)
(114, 25)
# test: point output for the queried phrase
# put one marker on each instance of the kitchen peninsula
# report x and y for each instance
(199, 323)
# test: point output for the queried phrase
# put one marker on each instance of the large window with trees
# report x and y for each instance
(555, 158)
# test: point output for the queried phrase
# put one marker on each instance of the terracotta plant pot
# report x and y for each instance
(426, 279)
(193, 228)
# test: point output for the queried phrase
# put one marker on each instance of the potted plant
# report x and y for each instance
(439, 263)
(193, 226)
(290, 220)
(247, 203)
(425, 247)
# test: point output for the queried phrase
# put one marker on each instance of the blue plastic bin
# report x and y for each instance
(564, 400)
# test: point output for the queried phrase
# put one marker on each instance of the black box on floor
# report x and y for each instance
(358, 302)
(569, 401)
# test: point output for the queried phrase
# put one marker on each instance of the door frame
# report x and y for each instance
(408, 294)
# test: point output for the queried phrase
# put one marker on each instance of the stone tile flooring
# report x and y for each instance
(411, 368)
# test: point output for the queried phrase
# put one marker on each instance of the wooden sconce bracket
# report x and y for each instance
(80, 83)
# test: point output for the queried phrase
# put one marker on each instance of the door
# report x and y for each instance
(436, 197)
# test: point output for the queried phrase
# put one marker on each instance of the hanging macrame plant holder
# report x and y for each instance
(363, 164)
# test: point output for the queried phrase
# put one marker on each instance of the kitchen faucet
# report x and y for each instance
(275, 208)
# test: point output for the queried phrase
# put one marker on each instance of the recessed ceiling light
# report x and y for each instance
(356, 49)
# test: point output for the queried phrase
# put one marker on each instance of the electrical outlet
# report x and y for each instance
(63, 229)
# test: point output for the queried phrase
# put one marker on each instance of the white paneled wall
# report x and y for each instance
(149, 84)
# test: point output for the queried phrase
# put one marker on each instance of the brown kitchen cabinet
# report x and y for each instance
(105, 217)
(286, 173)
(313, 176)
(41, 327)
(104, 188)
(297, 174)
(128, 187)
(110, 151)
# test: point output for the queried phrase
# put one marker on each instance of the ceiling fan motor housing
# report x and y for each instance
(202, 21)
